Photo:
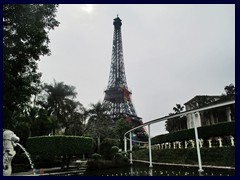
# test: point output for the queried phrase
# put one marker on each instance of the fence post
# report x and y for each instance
(131, 148)
(194, 115)
(149, 147)
(125, 143)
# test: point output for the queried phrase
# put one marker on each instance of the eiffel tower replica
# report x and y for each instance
(117, 95)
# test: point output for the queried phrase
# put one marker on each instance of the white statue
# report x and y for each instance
(9, 142)
(220, 142)
(201, 143)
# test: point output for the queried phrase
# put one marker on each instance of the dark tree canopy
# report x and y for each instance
(25, 39)
(230, 90)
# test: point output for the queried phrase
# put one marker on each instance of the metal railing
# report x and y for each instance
(194, 115)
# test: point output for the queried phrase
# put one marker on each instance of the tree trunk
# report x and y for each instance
(98, 140)
(68, 160)
(63, 161)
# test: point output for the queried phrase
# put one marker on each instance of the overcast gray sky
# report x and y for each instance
(171, 53)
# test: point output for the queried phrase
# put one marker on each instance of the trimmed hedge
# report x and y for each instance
(59, 145)
(106, 145)
(224, 156)
(221, 129)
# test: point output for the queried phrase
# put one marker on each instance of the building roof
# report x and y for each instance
(202, 97)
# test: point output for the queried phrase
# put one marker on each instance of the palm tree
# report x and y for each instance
(179, 108)
(177, 123)
(230, 90)
(99, 123)
(74, 119)
(59, 94)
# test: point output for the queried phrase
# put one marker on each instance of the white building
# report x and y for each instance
(209, 117)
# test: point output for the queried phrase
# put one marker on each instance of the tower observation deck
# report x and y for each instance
(117, 95)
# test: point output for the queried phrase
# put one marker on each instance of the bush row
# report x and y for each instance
(224, 156)
(221, 129)
(59, 145)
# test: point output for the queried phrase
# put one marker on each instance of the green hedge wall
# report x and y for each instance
(59, 145)
(221, 129)
(224, 156)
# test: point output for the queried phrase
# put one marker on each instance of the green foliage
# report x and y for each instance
(230, 90)
(106, 146)
(96, 156)
(224, 156)
(25, 39)
(221, 129)
(177, 123)
(118, 157)
(129, 151)
(136, 147)
(60, 103)
(121, 126)
(125, 159)
(59, 145)
(114, 150)
(99, 123)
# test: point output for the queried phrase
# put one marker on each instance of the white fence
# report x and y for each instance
(194, 116)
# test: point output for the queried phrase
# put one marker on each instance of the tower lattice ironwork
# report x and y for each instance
(117, 95)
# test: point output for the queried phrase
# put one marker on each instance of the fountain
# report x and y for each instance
(28, 156)
(9, 142)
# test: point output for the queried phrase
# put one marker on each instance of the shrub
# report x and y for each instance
(224, 156)
(96, 156)
(45, 151)
(106, 145)
(114, 149)
(221, 129)
(136, 147)
(118, 157)
(59, 145)
(125, 159)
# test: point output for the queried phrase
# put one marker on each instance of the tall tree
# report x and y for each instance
(121, 127)
(99, 124)
(74, 118)
(25, 39)
(59, 97)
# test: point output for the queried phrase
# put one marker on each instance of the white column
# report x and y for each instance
(228, 113)
(131, 148)
(196, 116)
(149, 147)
